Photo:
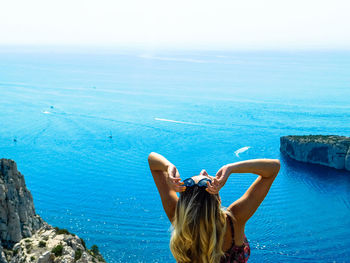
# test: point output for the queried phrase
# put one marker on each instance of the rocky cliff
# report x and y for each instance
(25, 236)
(328, 150)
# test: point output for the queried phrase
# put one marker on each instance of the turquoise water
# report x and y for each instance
(195, 108)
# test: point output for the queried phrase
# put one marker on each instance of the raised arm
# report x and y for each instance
(158, 162)
(267, 169)
(245, 207)
(167, 185)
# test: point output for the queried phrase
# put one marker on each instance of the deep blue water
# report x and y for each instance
(62, 107)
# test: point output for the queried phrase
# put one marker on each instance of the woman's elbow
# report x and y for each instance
(152, 158)
(151, 155)
(276, 166)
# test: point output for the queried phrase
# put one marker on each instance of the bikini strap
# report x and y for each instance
(232, 230)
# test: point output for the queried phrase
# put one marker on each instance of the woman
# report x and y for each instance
(202, 230)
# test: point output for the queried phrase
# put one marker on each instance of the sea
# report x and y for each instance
(81, 123)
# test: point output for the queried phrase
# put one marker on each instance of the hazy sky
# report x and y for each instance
(180, 23)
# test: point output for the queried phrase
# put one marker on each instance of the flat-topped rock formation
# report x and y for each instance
(24, 236)
(328, 150)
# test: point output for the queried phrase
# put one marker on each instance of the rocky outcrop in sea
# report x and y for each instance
(25, 236)
(328, 150)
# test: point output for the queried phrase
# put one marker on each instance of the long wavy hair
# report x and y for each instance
(199, 226)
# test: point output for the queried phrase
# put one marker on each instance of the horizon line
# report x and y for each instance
(80, 48)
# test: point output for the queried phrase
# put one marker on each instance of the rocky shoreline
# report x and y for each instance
(25, 236)
(329, 150)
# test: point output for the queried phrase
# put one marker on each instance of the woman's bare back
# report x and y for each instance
(238, 234)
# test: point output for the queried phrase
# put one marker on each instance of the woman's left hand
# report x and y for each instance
(219, 180)
(173, 179)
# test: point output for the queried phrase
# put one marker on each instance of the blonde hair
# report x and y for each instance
(199, 226)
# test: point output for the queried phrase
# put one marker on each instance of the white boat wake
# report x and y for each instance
(241, 150)
(183, 122)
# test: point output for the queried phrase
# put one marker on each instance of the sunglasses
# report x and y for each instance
(201, 183)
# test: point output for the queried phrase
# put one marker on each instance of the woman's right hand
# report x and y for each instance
(173, 179)
(219, 180)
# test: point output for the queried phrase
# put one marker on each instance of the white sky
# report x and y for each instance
(178, 23)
